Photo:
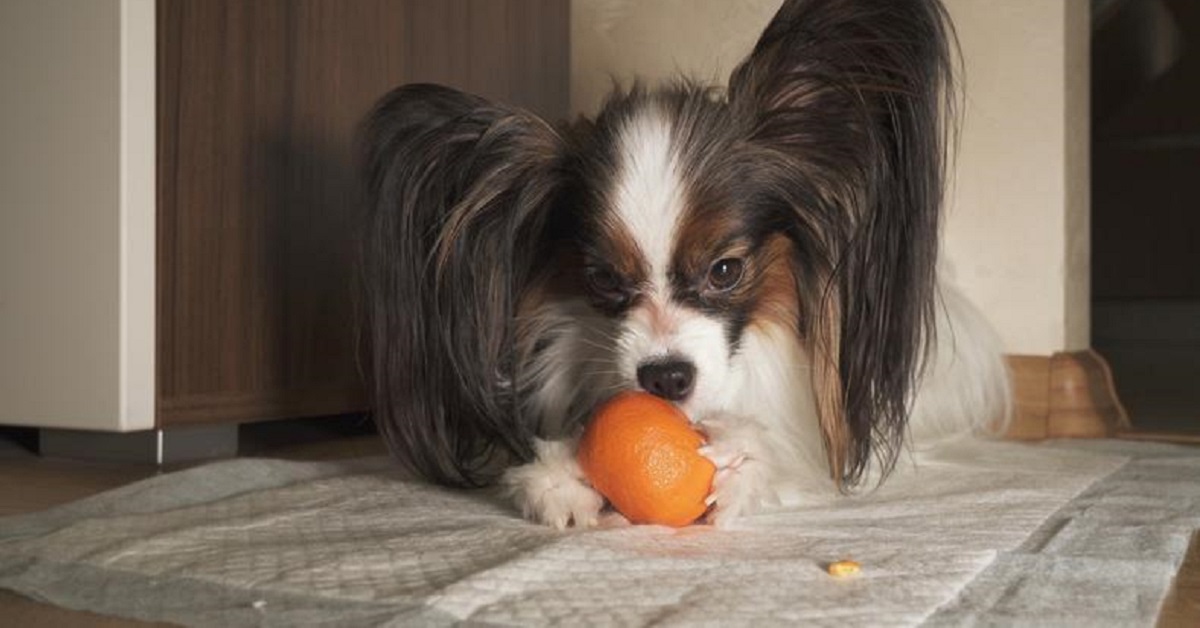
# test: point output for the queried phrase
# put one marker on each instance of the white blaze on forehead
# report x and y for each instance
(648, 197)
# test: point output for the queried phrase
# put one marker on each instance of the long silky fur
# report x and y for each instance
(833, 131)
(457, 192)
(853, 96)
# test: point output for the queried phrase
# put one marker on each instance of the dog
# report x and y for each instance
(764, 256)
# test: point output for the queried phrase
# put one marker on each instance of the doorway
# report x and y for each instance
(1146, 206)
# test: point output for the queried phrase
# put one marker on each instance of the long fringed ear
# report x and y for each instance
(853, 96)
(457, 190)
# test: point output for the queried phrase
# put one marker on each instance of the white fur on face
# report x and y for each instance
(689, 336)
(649, 199)
(649, 194)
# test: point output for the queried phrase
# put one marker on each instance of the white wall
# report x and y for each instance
(77, 213)
(1016, 233)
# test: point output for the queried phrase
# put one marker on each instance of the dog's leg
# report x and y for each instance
(737, 446)
(552, 489)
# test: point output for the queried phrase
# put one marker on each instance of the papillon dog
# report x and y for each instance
(765, 256)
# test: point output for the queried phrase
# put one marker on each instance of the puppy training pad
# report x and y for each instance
(262, 542)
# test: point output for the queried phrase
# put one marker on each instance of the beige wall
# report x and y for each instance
(1016, 234)
(77, 213)
(657, 40)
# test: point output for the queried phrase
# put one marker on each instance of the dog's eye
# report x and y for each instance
(725, 273)
(605, 283)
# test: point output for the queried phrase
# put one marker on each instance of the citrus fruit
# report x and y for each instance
(641, 453)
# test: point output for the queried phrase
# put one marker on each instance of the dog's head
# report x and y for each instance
(805, 197)
(682, 239)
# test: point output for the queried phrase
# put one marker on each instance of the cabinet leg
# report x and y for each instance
(162, 446)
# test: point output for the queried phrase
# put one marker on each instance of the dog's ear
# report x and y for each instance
(853, 96)
(457, 192)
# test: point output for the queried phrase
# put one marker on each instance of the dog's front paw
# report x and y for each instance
(738, 491)
(742, 484)
(552, 490)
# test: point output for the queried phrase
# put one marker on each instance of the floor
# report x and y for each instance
(29, 483)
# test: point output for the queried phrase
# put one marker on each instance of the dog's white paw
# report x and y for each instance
(742, 484)
(551, 489)
(738, 491)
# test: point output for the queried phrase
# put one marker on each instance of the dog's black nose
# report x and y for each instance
(671, 379)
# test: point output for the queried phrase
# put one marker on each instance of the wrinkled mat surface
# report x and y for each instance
(1067, 533)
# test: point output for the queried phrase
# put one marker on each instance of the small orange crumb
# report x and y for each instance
(844, 568)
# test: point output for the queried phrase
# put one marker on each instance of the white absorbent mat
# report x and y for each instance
(996, 532)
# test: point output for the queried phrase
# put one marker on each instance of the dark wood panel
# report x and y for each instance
(258, 104)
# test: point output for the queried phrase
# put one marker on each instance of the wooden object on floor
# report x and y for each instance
(258, 105)
(1066, 395)
(196, 262)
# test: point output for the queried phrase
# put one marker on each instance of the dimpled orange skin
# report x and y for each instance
(640, 452)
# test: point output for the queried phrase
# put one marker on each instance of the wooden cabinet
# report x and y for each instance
(247, 305)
